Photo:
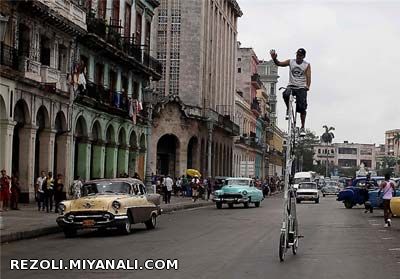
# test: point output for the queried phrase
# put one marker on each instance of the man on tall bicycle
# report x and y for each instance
(299, 80)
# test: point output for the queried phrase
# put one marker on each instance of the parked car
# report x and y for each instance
(105, 203)
(357, 193)
(307, 191)
(331, 188)
(238, 190)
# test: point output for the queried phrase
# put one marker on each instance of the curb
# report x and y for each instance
(56, 229)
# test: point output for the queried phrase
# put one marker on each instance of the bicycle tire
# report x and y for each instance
(282, 247)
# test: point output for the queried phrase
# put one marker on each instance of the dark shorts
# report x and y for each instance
(301, 98)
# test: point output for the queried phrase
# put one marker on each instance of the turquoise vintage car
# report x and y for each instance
(238, 190)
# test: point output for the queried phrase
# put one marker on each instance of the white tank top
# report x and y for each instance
(387, 191)
(297, 73)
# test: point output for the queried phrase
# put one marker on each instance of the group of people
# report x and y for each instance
(49, 191)
(9, 191)
(185, 186)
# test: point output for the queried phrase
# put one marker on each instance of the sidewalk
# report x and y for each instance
(28, 222)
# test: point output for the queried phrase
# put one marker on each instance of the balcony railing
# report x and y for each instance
(8, 56)
(107, 97)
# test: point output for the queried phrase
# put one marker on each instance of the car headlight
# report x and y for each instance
(244, 192)
(116, 205)
(61, 208)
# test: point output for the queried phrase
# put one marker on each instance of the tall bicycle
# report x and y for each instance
(289, 237)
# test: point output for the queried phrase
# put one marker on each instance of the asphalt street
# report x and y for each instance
(231, 243)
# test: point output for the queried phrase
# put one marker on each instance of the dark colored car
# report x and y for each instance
(357, 193)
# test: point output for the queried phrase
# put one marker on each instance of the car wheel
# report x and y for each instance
(348, 204)
(151, 223)
(230, 205)
(282, 247)
(257, 204)
(69, 233)
(323, 195)
(246, 204)
(219, 205)
(126, 228)
(298, 201)
(317, 200)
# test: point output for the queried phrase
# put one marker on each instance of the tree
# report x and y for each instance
(327, 138)
(304, 150)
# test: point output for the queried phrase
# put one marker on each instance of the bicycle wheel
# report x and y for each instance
(295, 245)
(282, 247)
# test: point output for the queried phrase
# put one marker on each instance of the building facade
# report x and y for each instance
(346, 155)
(193, 120)
(68, 75)
(252, 116)
(274, 158)
(391, 146)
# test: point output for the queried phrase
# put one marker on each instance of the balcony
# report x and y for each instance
(256, 81)
(108, 100)
(120, 47)
(65, 15)
(8, 56)
(255, 107)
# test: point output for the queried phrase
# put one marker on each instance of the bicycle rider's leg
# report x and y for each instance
(303, 119)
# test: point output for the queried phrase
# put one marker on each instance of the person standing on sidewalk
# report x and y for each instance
(387, 190)
(39, 190)
(195, 188)
(58, 192)
(168, 182)
(5, 190)
(15, 190)
(48, 188)
(76, 188)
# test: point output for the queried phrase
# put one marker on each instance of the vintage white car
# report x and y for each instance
(307, 191)
(105, 203)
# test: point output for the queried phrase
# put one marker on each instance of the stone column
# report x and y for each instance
(83, 160)
(27, 136)
(181, 158)
(6, 144)
(123, 157)
(98, 153)
(111, 161)
(46, 156)
(63, 156)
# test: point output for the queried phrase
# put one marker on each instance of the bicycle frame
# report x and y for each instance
(289, 223)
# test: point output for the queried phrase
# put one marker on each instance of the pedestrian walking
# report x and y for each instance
(58, 191)
(195, 188)
(48, 189)
(15, 191)
(387, 191)
(5, 190)
(39, 193)
(168, 182)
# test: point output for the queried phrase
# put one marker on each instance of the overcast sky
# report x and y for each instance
(354, 51)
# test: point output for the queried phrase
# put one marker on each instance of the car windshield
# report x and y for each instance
(106, 188)
(301, 179)
(241, 182)
(307, 186)
(331, 184)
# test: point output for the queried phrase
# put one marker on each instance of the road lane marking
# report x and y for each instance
(387, 238)
(394, 249)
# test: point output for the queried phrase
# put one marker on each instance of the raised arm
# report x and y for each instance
(274, 56)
